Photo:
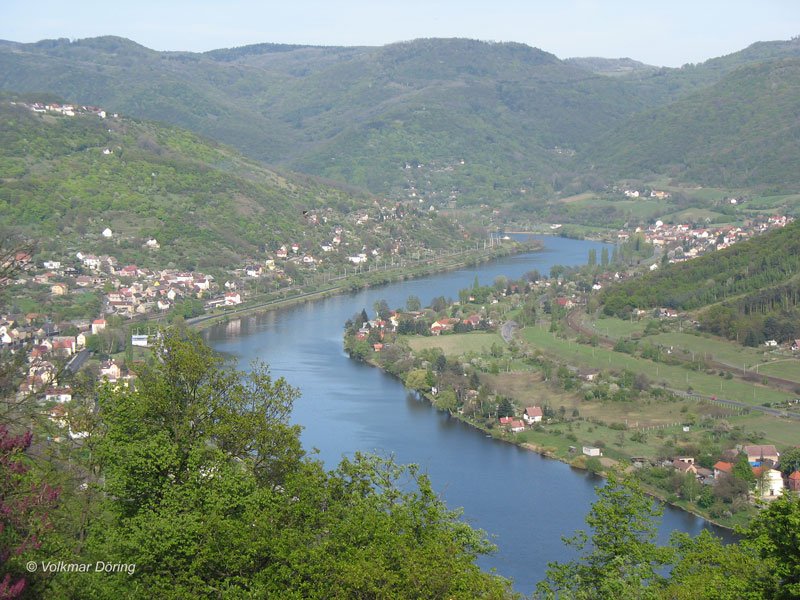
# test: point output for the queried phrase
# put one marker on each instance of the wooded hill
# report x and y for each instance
(354, 114)
(403, 117)
(740, 132)
(67, 178)
(752, 289)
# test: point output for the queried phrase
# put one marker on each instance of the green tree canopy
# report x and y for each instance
(620, 558)
(205, 488)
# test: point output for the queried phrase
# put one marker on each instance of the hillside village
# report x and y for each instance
(683, 242)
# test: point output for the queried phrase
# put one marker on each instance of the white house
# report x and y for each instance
(90, 261)
(592, 451)
(110, 370)
(98, 325)
(232, 298)
(516, 426)
(107, 233)
(59, 394)
(769, 483)
(532, 414)
(142, 340)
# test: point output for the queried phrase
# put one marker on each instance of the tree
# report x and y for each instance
(790, 460)
(557, 271)
(704, 567)
(25, 503)
(592, 262)
(775, 534)
(620, 557)
(604, 257)
(446, 400)
(728, 488)
(439, 304)
(505, 408)
(185, 404)
(474, 380)
(413, 303)
(418, 380)
(742, 469)
(528, 313)
(207, 491)
(382, 309)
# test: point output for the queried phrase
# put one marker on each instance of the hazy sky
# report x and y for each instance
(667, 32)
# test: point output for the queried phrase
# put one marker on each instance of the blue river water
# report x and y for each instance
(525, 503)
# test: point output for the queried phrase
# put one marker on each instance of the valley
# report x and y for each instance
(272, 194)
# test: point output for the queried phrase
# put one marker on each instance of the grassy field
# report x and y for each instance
(528, 389)
(579, 197)
(457, 343)
(673, 377)
(639, 209)
(695, 215)
(703, 346)
(782, 432)
(522, 387)
(648, 414)
(770, 202)
(716, 349)
(615, 328)
(707, 194)
(788, 368)
(616, 444)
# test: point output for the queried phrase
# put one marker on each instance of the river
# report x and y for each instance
(523, 501)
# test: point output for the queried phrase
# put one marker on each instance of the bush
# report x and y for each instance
(593, 465)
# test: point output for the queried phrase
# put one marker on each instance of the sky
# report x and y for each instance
(664, 33)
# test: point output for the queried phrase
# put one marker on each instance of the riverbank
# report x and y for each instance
(578, 462)
(368, 279)
(577, 232)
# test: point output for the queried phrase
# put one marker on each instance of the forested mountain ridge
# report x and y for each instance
(740, 132)
(612, 66)
(752, 289)
(663, 85)
(448, 119)
(354, 114)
